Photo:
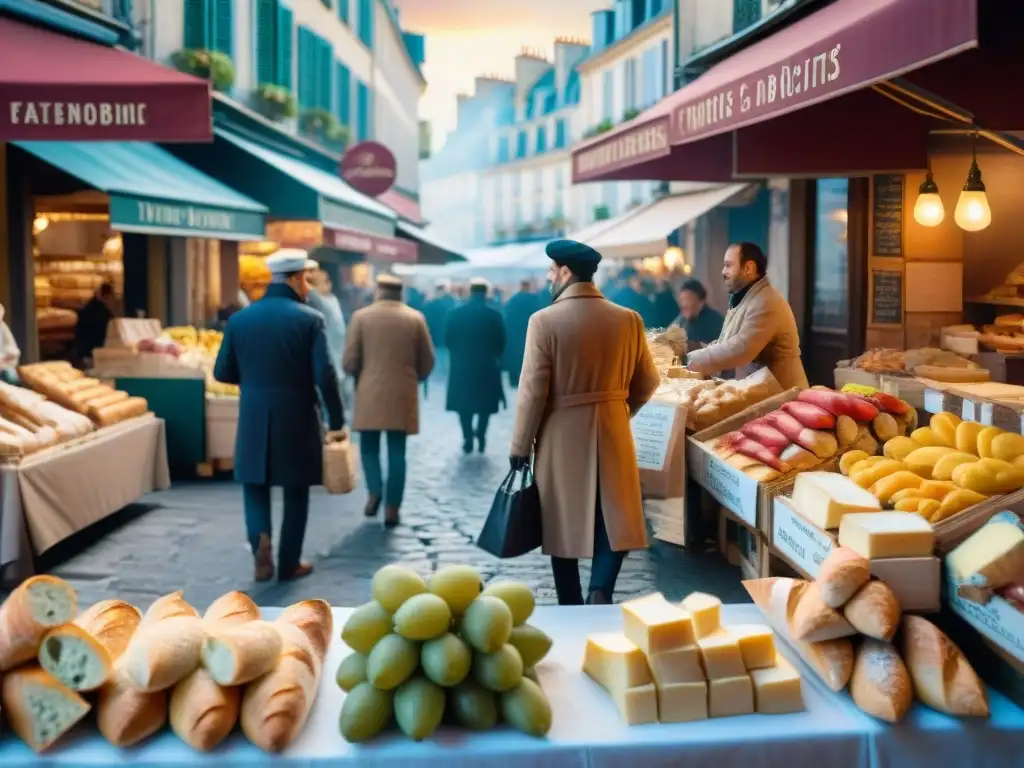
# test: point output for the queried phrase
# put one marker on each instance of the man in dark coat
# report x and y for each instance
(475, 338)
(631, 296)
(276, 351)
(91, 327)
(518, 310)
(436, 312)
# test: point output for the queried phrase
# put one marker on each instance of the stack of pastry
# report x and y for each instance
(846, 625)
(29, 422)
(71, 388)
(139, 672)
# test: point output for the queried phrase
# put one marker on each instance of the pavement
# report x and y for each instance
(192, 536)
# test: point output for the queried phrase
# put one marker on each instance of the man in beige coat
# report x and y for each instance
(759, 331)
(388, 352)
(587, 370)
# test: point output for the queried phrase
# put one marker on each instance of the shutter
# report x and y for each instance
(343, 84)
(222, 20)
(284, 31)
(343, 10)
(266, 18)
(325, 70)
(196, 24)
(361, 111)
(306, 90)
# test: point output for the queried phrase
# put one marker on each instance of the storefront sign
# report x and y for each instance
(636, 145)
(391, 249)
(133, 215)
(802, 543)
(369, 167)
(652, 433)
(296, 234)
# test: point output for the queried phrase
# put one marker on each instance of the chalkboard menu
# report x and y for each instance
(886, 297)
(888, 215)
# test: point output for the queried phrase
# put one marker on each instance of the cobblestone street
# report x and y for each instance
(192, 536)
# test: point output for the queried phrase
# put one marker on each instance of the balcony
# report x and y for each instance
(538, 231)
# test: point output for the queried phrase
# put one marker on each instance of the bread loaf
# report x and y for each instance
(37, 605)
(239, 654)
(874, 611)
(118, 412)
(165, 607)
(111, 398)
(880, 684)
(943, 678)
(275, 706)
(842, 573)
(777, 598)
(813, 621)
(39, 709)
(163, 653)
(229, 610)
(112, 623)
(72, 656)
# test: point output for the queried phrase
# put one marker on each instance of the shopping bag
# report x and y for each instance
(513, 526)
(339, 467)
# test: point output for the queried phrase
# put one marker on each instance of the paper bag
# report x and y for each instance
(659, 434)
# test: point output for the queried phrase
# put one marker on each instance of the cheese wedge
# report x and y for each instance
(887, 534)
(706, 611)
(731, 696)
(991, 557)
(721, 655)
(777, 689)
(655, 625)
(620, 667)
(682, 665)
(757, 645)
(824, 498)
(683, 702)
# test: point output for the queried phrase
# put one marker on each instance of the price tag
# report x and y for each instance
(1001, 416)
(803, 543)
(652, 432)
(932, 401)
(971, 411)
(734, 489)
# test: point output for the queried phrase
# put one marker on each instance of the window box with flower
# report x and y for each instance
(214, 66)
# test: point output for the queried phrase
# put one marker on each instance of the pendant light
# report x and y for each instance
(972, 210)
(928, 210)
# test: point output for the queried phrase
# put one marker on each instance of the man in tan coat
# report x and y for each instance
(759, 331)
(587, 370)
(388, 352)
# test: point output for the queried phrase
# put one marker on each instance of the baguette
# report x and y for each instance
(75, 658)
(37, 605)
(163, 653)
(39, 709)
(112, 623)
(874, 611)
(880, 684)
(168, 606)
(813, 621)
(275, 707)
(240, 654)
(118, 412)
(117, 396)
(842, 573)
(943, 678)
(231, 609)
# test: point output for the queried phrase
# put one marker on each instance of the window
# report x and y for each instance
(503, 156)
(650, 76)
(745, 13)
(667, 70)
(364, 106)
(274, 30)
(830, 263)
(343, 86)
(542, 139)
(520, 145)
(366, 8)
(629, 84)
(609, 95)
(560, 138)
(209, 24)
(343, 10)
(316, 57)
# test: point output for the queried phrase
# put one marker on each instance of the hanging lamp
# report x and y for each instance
(928, 210)
(972, 209)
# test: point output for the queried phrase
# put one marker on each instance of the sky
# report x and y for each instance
(467, 38)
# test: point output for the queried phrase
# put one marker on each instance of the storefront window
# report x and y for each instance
(830, 254)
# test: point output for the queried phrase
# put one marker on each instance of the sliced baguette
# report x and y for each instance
(203, 713)
(39, 709)
(75, 658)
(943, 678)
(239, 654)
(37, 605)
(880, 684)
(163, 653)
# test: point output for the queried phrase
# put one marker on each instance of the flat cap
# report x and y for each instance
(288, 260)
(387, 280)
(572, 250)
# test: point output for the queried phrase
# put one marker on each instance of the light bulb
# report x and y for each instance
(673, 256)
(972, 210)
(928, 210)
(39, 224)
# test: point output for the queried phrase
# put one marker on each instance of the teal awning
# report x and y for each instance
(290, 187)
(153, 192)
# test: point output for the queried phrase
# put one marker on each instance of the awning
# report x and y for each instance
(58, 88)
(391, 249)
(405, 207)
(432, 250)
(153, 192)
(646, 232)
(844, 47)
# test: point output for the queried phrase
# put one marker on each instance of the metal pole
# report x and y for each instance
(677, 69)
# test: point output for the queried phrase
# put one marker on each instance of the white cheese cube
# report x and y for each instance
(721, 655)
(887, 534)
(656, 625)
(706, 611)
(777, 689)
(731, 696)
(757, 645)
(824, 498)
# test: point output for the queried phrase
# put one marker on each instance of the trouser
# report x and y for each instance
(369, 450)
(468, 433)
(293, 522)
(604, 567)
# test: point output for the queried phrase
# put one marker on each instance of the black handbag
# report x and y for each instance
(513, 526)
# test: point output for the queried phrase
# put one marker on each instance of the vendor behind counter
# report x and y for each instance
(703, 325)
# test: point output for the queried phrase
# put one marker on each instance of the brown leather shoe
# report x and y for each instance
(264, 559)
(302, 570)
(391, 517)
(372, 506)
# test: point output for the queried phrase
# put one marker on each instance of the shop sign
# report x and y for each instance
(369, 167)
(390, 249)
(799, 541)
(637, 145)
(296, 234)
(133, 214)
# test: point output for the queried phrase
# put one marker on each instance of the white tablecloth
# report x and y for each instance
(588, 733)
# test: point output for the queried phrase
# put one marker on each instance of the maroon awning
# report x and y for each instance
(58, 88)
(390, 249)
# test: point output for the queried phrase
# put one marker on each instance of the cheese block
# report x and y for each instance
(825, 497)
(887, 534)
(682, 665)
(706, 611)
(620, 667)
(683, 702)
(777, 689)
(655, 625)
(721, 655)
(991, 557)
(757, 645)
(731, 696)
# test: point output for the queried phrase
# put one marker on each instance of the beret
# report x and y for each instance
(572, 250)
